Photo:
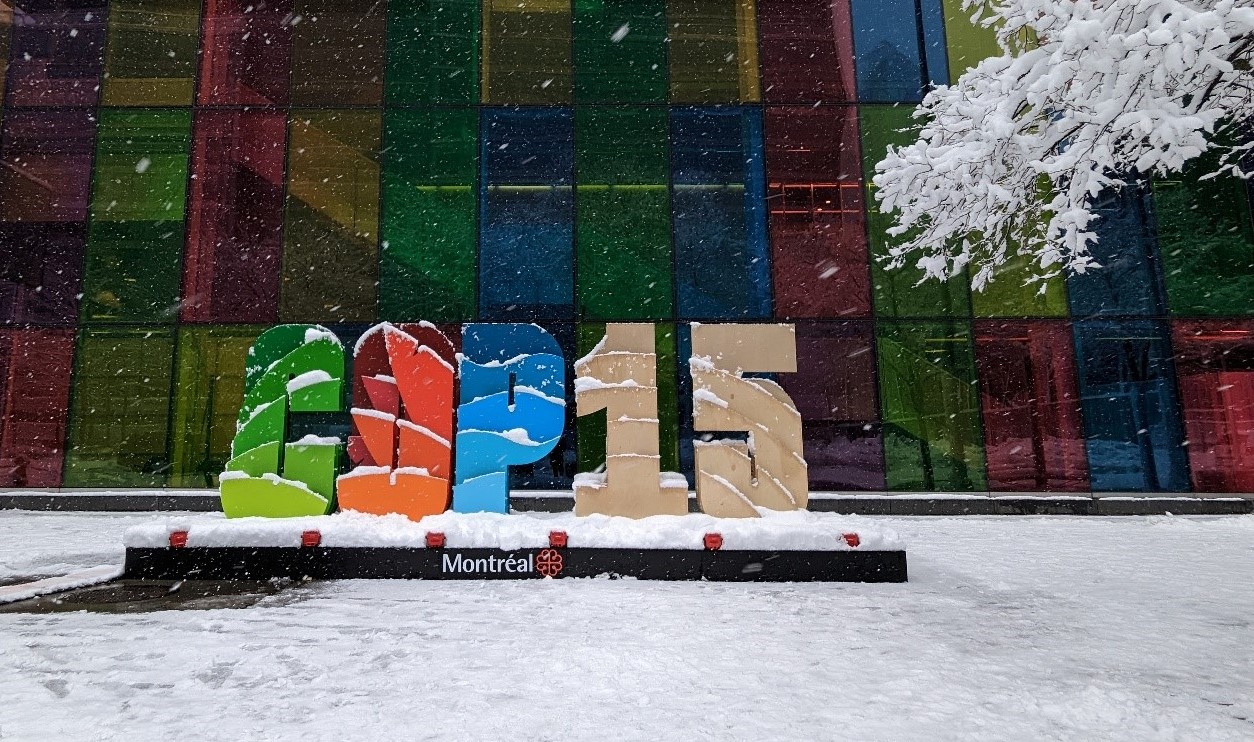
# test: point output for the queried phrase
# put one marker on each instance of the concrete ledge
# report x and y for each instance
(555, 502)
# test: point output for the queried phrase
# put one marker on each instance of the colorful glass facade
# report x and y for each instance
(178, 175)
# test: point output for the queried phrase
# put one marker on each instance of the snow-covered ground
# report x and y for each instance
(1010, 629)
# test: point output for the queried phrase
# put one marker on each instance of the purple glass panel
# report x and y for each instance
(45, 179)
(34, 402)
(1034, 437)
(1215, 368)
(56, 52)
(835, 390)
(806, 51)
(235, 217)
(814, 198)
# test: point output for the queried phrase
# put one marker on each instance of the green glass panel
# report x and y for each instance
(150, 52)
(620, 51)
(967, 43)
(208, 393)
(433, 51)
(526, 51)
(713, 51)
(898, 292)
(330, 243)
(1207, 243)
(932, 434)
(590, 429)
(119, 417)
(135, 243)
(623, 230)
(1010, 294)
(428, 258)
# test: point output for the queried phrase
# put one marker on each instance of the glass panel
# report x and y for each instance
(526, 233)
(899, 292)
(526, 51)
(1032, 428)
(590, 429)
(433, 51)
(1215, 361)
(900, 48)
(713, 51)
(722, 264)
(57, 52)
(6, 20)
(967, 43)
(430, 168)
(834, 389)
(150, 54)
(1011, 294)
(1128, 282)
(620, 51)
(1131, 415)
(234, 244)
(624, 229)
(330, 244)
(45, 179)
(337, 52)
(119, 419)
(932, 436)
(818, 227)
(807, 50)
(35, 392)
(246, 52)
(131, 273)
(208, 395)
(1207, 243)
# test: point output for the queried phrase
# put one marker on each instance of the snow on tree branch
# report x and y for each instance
(1087, 96)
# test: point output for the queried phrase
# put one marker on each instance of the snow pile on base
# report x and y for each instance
(780, 531)
(82, 578)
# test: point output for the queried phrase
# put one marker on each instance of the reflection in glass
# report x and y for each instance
(1032, 428)
(1131, 414)
(817, 216)
(234, 244)
(721, 255)
(526, 250)
(932, 435)
(35, 395)
(331, 237)
(1215, 361)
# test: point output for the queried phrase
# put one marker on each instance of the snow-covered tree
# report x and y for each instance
(1087, 95)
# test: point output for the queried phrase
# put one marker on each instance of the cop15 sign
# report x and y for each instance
(434, 429)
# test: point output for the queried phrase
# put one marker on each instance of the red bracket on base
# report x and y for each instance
(435, 540)
(713, 541)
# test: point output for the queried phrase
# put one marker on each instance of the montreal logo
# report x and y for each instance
(547, 563)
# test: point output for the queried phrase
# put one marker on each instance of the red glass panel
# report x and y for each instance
(815, 202)
(806, 51)
(45, 180)
(246, 52)
(35, 391)
(1215, 368)
(234, 242)
(1033, 432)
(56, 52)
(834, 388)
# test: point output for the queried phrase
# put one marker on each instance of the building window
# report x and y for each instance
(1215, 361)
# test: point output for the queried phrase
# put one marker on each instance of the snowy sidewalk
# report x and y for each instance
(1010, 629)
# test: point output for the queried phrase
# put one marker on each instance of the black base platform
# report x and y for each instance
(341, 563)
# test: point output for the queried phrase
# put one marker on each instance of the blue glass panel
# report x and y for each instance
(1131, 414)
(526, 250)
(897, 56)
(1130, 280)
(935, 51)
(719, 202)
